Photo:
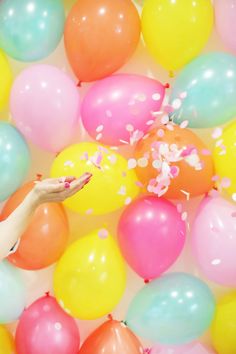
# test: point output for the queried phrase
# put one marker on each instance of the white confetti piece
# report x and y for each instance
(184, 216)
(165, 119)
(183, 95)
(103, 233)
(129, 128)
(132, 163)
(122, 190)
(112, 159)
(150, 122)
(217, 132)
(99, 129)
(128, 201)
(184, 124)
(142, 162)
(225, 182)
(99, 136)
(176, 104)
(156, 97)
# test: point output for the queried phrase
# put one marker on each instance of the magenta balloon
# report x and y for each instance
(44, 328)
(225, 14)
(151, 235)
(45, 106)
(214, 240)
(116, 105)
(194, 348)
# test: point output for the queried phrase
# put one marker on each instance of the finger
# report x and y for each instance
(69, 179)
(79, 183)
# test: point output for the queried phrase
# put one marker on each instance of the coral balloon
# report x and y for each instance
(48, 123)
(112, 337)
(121, 103)
(175, 163)
(6, 342)
(176, 31)
(194, 348)
(151, 235)
(45, 328)
(112, 185)
(100, 36)
(90, 278)
(46, 237)
(225, 15)
(6, 80)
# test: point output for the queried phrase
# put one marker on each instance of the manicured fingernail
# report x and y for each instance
(67, 185)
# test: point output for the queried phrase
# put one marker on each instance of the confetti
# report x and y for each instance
(122, 190)
(177, 103)
(165, 119)
(89, 211)
(112, 159)
(183, 95)
(206, 152)
(142, 162)
(217, 132)
(103, 233)
(99, 136)
(184, 216)
(128, 201)
(184, 124)
(99, 128)
(160, 133)
(234, 197)
(69, 163)
(132, 163)
(214, 193)
(129, 128)
(215, 178)
(156, 97)
(225, 182)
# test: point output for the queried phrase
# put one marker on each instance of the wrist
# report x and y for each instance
(33, 199)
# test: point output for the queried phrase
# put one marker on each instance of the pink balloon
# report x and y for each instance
(151, 235)
(194, 348)
(45, 105)
(44, 328)
(214, 240)
(117, 106)
(225, 14)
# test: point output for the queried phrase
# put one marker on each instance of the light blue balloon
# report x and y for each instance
(31, 29)
(174, 309)
(12, 293)
(210, 84)
(14, 160)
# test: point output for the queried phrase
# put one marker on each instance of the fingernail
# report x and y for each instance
(67, 185)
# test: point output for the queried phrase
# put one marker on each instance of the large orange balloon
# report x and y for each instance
(100, 36)
(112, 337)
(46, 237)
(195, 171)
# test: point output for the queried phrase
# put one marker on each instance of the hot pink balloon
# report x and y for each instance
(45, 105)
(195, 348)
(44, 328)
(151, 235)
(118, 107)
(225, 14)
(214, 240)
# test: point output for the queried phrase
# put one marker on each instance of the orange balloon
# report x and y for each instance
(46, 237)
(112, 337)
(191, 180)
(100, 36)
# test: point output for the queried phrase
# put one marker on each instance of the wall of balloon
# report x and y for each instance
(203, 255)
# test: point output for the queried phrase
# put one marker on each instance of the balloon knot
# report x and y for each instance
(39, 177)
(110, 317)
(147, 351)
(47, 294)
(146, 281)
(171, 74)
(79, 84)
(167, 85)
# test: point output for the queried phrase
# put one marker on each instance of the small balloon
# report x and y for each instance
(6, 342)
(45, 328)
(193, 348)
(225, 15)
(6, 80)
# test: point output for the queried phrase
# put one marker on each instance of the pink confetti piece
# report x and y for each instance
(184, 216)
(128, 201)
(139, 184)
(225, 182)
(124, 174)
(215, 178)
(184, 124)
(122, 190)
(124, 141)
(156, 97)
(89, 211)
(99, 129)
(179, 207)
(174, 171)
(99, 136)
(108, 113)
(132, 163)
(206, 152)
(183, 95)
(160, 133)
(170, 127)
(129, 128)
(136, 136)
(217, 132)
(219, 143)
(103, 233)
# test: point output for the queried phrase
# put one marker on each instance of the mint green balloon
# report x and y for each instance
(174, 309)
(210, 84)
(30, 29)
(12, 293)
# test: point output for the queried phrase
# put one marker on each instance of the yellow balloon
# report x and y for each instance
(90, 278)
(223, 329)
(6, 342)
(175, 31)
(5, 80)
(113, 185)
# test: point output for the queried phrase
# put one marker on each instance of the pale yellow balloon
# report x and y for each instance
(6, 342)
(175, 31)
(5, 80)
(90, 278)
(112, 186)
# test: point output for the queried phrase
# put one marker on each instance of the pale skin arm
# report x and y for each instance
(49, 190)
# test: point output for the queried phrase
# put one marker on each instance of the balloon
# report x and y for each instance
(151, 236)
(90, 278)
(101, 36)
(45, 328)
(176, 31)
(14, 160)
(174, 309)
(46, 237)
(6, 342)
(48, 123)
(194, 348)
(12, 293)
(187, 169)
(6, 80)
(112, 185)
(225, 15)
(210, 85)
(120, 105)
(26, 28)
(112, 337)
(223, 329)
(224, 155)
(213, 240)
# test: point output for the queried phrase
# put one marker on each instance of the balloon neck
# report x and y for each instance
(79, 84)
(39, 177)
(171, 74)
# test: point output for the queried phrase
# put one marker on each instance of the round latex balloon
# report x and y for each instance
(174, 163)
(151, 235)
(45, 328)
(26, 28)
(113, 185)
(119, 106)
(112, 337)
(213, 240)
(5, 81)
(100, 36)
(223, 330)
(209, 83)
(48, 123)
(12, 293)
(194, 348)
(174, 309)
(225, 16)
(14, 160)
(46, 237)
(90, 278)
(6, 342)
(176, 31)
